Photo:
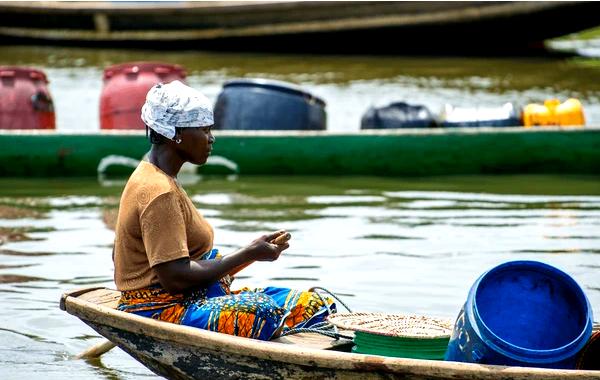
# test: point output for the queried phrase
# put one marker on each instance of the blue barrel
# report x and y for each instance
(522, 313)
(261, 104)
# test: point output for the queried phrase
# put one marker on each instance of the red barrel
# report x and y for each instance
(125, 88)
(25, 102)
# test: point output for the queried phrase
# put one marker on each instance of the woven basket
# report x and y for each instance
(394, 325)
(398, 335)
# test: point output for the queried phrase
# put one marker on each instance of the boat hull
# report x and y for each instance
(181, 352)
(182, 362)
(389, 27)
(431, 152)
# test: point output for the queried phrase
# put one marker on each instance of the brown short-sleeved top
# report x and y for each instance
(157, 222)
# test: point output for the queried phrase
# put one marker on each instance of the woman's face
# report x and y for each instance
(196, 144)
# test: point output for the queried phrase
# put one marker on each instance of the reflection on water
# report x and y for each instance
(393, 245)
(349, 84)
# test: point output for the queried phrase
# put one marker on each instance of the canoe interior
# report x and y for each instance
(110, 298)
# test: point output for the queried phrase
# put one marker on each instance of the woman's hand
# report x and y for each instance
(178, 275)
(262, 249)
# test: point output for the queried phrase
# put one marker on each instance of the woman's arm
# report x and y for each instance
(178, 275)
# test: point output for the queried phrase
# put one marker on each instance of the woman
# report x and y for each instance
(165, 264)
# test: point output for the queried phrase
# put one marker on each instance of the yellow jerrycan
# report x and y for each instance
(553, 112)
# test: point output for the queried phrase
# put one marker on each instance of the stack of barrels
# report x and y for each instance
(252, 104)
(243, 104)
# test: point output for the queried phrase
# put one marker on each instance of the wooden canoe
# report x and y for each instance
(405, 152)
(316, 26)
(181, 352)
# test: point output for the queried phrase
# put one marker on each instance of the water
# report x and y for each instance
(392, 245)
(349, 84)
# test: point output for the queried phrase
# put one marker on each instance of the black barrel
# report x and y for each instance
(398, 115)
(262, 104)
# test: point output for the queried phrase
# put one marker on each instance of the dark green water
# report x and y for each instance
(392, 245)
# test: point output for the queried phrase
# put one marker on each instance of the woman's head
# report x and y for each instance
(181, 117)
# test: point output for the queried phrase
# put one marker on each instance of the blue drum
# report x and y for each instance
(522, 313)
(264, 104)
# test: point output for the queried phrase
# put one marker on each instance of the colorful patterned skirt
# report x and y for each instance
(261, 313)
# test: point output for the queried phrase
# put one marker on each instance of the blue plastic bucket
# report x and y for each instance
(522, 313)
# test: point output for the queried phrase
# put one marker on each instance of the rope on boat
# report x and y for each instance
(314, 288)
(314, 330)
(323, 328)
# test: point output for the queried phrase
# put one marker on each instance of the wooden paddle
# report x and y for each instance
(106, 345)
(96, 350)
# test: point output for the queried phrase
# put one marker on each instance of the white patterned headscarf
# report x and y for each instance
(176, 105)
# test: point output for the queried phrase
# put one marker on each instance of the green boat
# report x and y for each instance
(416, 152)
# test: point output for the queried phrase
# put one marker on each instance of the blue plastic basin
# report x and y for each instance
(522, 313)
